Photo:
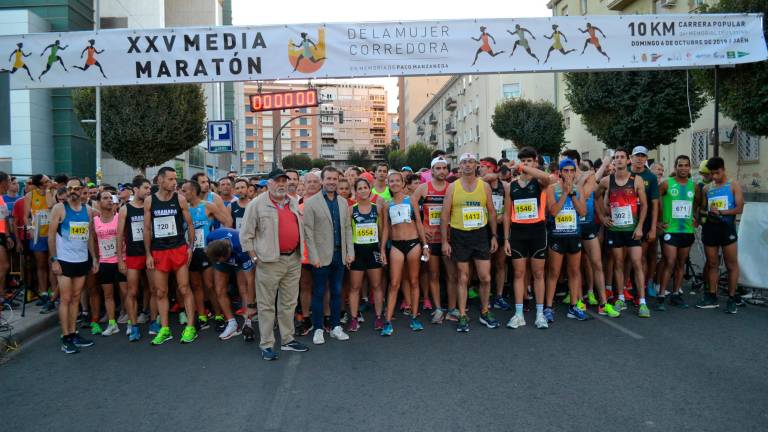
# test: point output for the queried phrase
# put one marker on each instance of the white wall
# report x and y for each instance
(145, 14)
(31, 149)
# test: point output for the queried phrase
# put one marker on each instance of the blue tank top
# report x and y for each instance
(72, 235)
(722, 198)
(590, 216)
(566, 222)
(202, 224)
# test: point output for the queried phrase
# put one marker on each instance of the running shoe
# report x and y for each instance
(354, 325)
(268, 354)
(730, 306)
(189, 335)
(81, 342)
(360, 317)
(220, 322)
(379, 323)
(241, 311)
(95, 329)
(678, 301)
(176, 308)
(651, 290)
(318, 338)
(580, 304)
(123, 318)
(203, 323)
(416, 325)
(644, 312)
(487, 319)
(111, 329)
(163, 335)
(709, 301)
(438, 316)
(249, 334)
(472, 293)
(541, 321)
(453, 315)
(608, 293)
(304, 328)
(142, 318)
(405, 307)
(344, 319)
(135, 334)
(230, 331)
(567, 299)
(628, 295)
(338, 334)
(740, 300)
(327, 324)
(183, 318)
(427, 304)
(295, 346)
(608, 311)
(576, 313)
(660, 306)
(128, 330)
(501, 303)
(549, 315)
(387, 329)
(516, 321)
(591, 299)
(619, 305)
(68, 347)
(42, 300)
(48, 307)
(154, 328)
(463, 326)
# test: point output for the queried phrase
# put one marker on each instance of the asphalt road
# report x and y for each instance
(681, 370)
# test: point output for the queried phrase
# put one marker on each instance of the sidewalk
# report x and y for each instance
(23, 329)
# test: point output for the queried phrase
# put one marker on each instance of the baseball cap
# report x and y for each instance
(703, 167)
(261, 183)
(407, 168)
(567, 162)
(467, 156)
(438, 160)
(640, 150)
(277, 173)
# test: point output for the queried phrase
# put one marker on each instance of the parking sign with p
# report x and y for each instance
(220, 136)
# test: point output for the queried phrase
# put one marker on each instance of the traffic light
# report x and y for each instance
(341, 117)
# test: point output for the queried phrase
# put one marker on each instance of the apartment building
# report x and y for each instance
(413, 95)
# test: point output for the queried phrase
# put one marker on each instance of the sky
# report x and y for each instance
(247, 12)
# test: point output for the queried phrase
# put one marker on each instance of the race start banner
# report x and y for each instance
(375, 49)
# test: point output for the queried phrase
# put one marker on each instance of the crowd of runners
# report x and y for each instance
(327, 251)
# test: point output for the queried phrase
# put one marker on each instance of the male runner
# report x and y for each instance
(499, 192)
(379, 186)
(650, 243)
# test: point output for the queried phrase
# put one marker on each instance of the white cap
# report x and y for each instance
(438, 160)
(640, 150)
(467, 156)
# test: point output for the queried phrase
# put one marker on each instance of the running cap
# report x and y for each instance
(467, 156)
(438, 160)
(261, 183)
(640, 150)
(703, 167)
(407, 168)
(567, 162)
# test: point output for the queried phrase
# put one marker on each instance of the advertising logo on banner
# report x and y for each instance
(344, 50)
(220, 133)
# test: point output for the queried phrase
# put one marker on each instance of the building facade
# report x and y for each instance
(413, 95)
(458, 117)
(740, 150)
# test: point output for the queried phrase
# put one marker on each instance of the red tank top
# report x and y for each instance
(433, 207)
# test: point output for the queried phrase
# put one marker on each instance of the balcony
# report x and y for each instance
(432, 119)
(619, 5)
(433, 139)
(450, 128)
(451, 104)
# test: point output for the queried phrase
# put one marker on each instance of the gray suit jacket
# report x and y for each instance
(318, 229)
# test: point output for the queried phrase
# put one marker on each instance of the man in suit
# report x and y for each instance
(328, 232)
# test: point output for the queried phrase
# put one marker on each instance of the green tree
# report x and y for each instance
(418, 156)
(297, 162)
(396, 159)
(627, 108)
(743, 87)
(145, 126)
(359, 158)
(320, 163)
(528, 123)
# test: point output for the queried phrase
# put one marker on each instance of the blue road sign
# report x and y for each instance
(220, 136)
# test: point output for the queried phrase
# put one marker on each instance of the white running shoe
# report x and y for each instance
(230, 331)
(318, 338)
(123, 318)
(110, 330)
(127, 330)
(516, 321)
(338, 333)
(142, 318)
(541, 321)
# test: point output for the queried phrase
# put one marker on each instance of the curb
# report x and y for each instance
(38, 324)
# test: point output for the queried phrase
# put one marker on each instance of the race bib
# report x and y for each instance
(473, 217)
(164, 226)
(199, 240)
(107, 248)
(137, 231)
(41, 219)
(566, 220)
(622, 216)
(400, 213)
(681, 209)
(498, 204)
(720, 203)
(526, 209)
(434, 213)
(78, 231)
(238, 223)
(367, 233)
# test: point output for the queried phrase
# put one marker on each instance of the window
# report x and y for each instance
(249, 120)
(268, 157)
(699, 147)
(510, 91)
(304, 144)
(305, 121)
(584, 7)
(304, 132)
(249, 132)
(267, 134)
(250, 144)
(567, 118)
(285, 134)
(748, 147)
(477, 132)
(250, 156)
(266, 121)
(564, 11)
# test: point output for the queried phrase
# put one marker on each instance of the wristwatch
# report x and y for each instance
(54, 259)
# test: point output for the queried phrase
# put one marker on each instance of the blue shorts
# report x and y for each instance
(40, 246)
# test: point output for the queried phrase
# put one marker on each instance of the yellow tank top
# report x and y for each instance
(468, 209)
(39, 212)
